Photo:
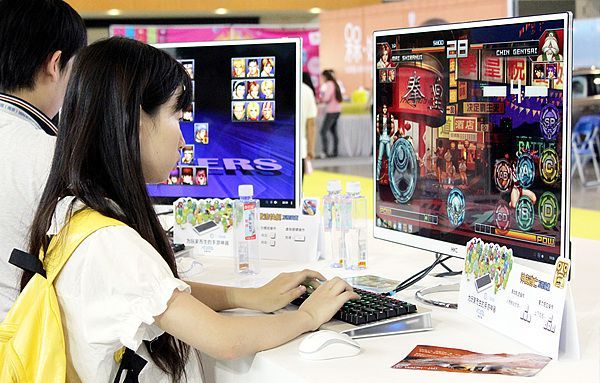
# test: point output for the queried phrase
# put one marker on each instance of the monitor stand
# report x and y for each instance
(420, 295)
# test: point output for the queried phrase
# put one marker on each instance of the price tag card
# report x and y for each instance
(518, 301)
(290, 234)
(206, 224)
(285, 234)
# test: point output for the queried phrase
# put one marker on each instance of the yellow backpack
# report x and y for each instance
(32, 342)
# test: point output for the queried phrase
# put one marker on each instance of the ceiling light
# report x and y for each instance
(221, 11)
(113, 12)
(315, 10)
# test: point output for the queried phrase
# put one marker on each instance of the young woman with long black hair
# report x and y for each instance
(120, 130)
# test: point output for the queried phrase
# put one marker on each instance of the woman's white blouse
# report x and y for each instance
(109, 292)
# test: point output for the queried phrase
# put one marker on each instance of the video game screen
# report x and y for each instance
(241, 126)
(469, 134)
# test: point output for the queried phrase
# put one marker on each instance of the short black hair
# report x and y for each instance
(31, 31)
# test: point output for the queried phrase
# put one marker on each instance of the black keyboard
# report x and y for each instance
(371, 307)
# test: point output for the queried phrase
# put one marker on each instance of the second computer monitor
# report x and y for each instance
(472, 135)
(243, 124)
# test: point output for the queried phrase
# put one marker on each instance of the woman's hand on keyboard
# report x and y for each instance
(284, 288)
(327, 299)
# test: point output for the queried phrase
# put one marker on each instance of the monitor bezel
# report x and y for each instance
(447, 248)
(298, 64)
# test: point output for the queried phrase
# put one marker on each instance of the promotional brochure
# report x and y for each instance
(432, 358)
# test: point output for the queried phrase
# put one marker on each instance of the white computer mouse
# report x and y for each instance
(327, 344)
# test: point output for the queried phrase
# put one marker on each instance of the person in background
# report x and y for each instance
(462, 170)
(120, 287)
(332, 97)
(440, 153)
(38, 40)
(340, 84)
(307, 118)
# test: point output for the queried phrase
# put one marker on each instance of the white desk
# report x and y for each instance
(283, 364)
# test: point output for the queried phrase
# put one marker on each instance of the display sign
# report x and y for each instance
(468, 68)
(284, 234)
(462, 90)
(483, 107)
(492, 68)
(465, 124)
(517, 68)
(421, 92)
(523, 303)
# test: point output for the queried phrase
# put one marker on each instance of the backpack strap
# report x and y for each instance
(27, 262)
(131, 364)
(80, 226)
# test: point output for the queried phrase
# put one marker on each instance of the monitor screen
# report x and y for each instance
(242, 125)
(472, 135)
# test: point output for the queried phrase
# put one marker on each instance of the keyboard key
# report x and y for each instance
(401, 310)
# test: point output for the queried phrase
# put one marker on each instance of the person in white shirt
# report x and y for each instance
(38, 39)
(307, 119)
(120, 130)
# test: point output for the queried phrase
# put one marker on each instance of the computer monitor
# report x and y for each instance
(472, 135)
(243, 124)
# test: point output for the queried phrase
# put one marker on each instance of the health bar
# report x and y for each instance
(522, 236)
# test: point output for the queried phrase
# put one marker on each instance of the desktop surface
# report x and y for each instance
(379, 353)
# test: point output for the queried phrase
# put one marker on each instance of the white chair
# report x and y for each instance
(585, 147)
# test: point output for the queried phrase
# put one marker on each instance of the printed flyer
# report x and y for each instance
(433, 358)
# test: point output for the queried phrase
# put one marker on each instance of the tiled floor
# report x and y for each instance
(583, 198)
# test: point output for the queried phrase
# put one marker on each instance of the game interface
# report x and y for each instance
(241, 126)
(469, 134)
